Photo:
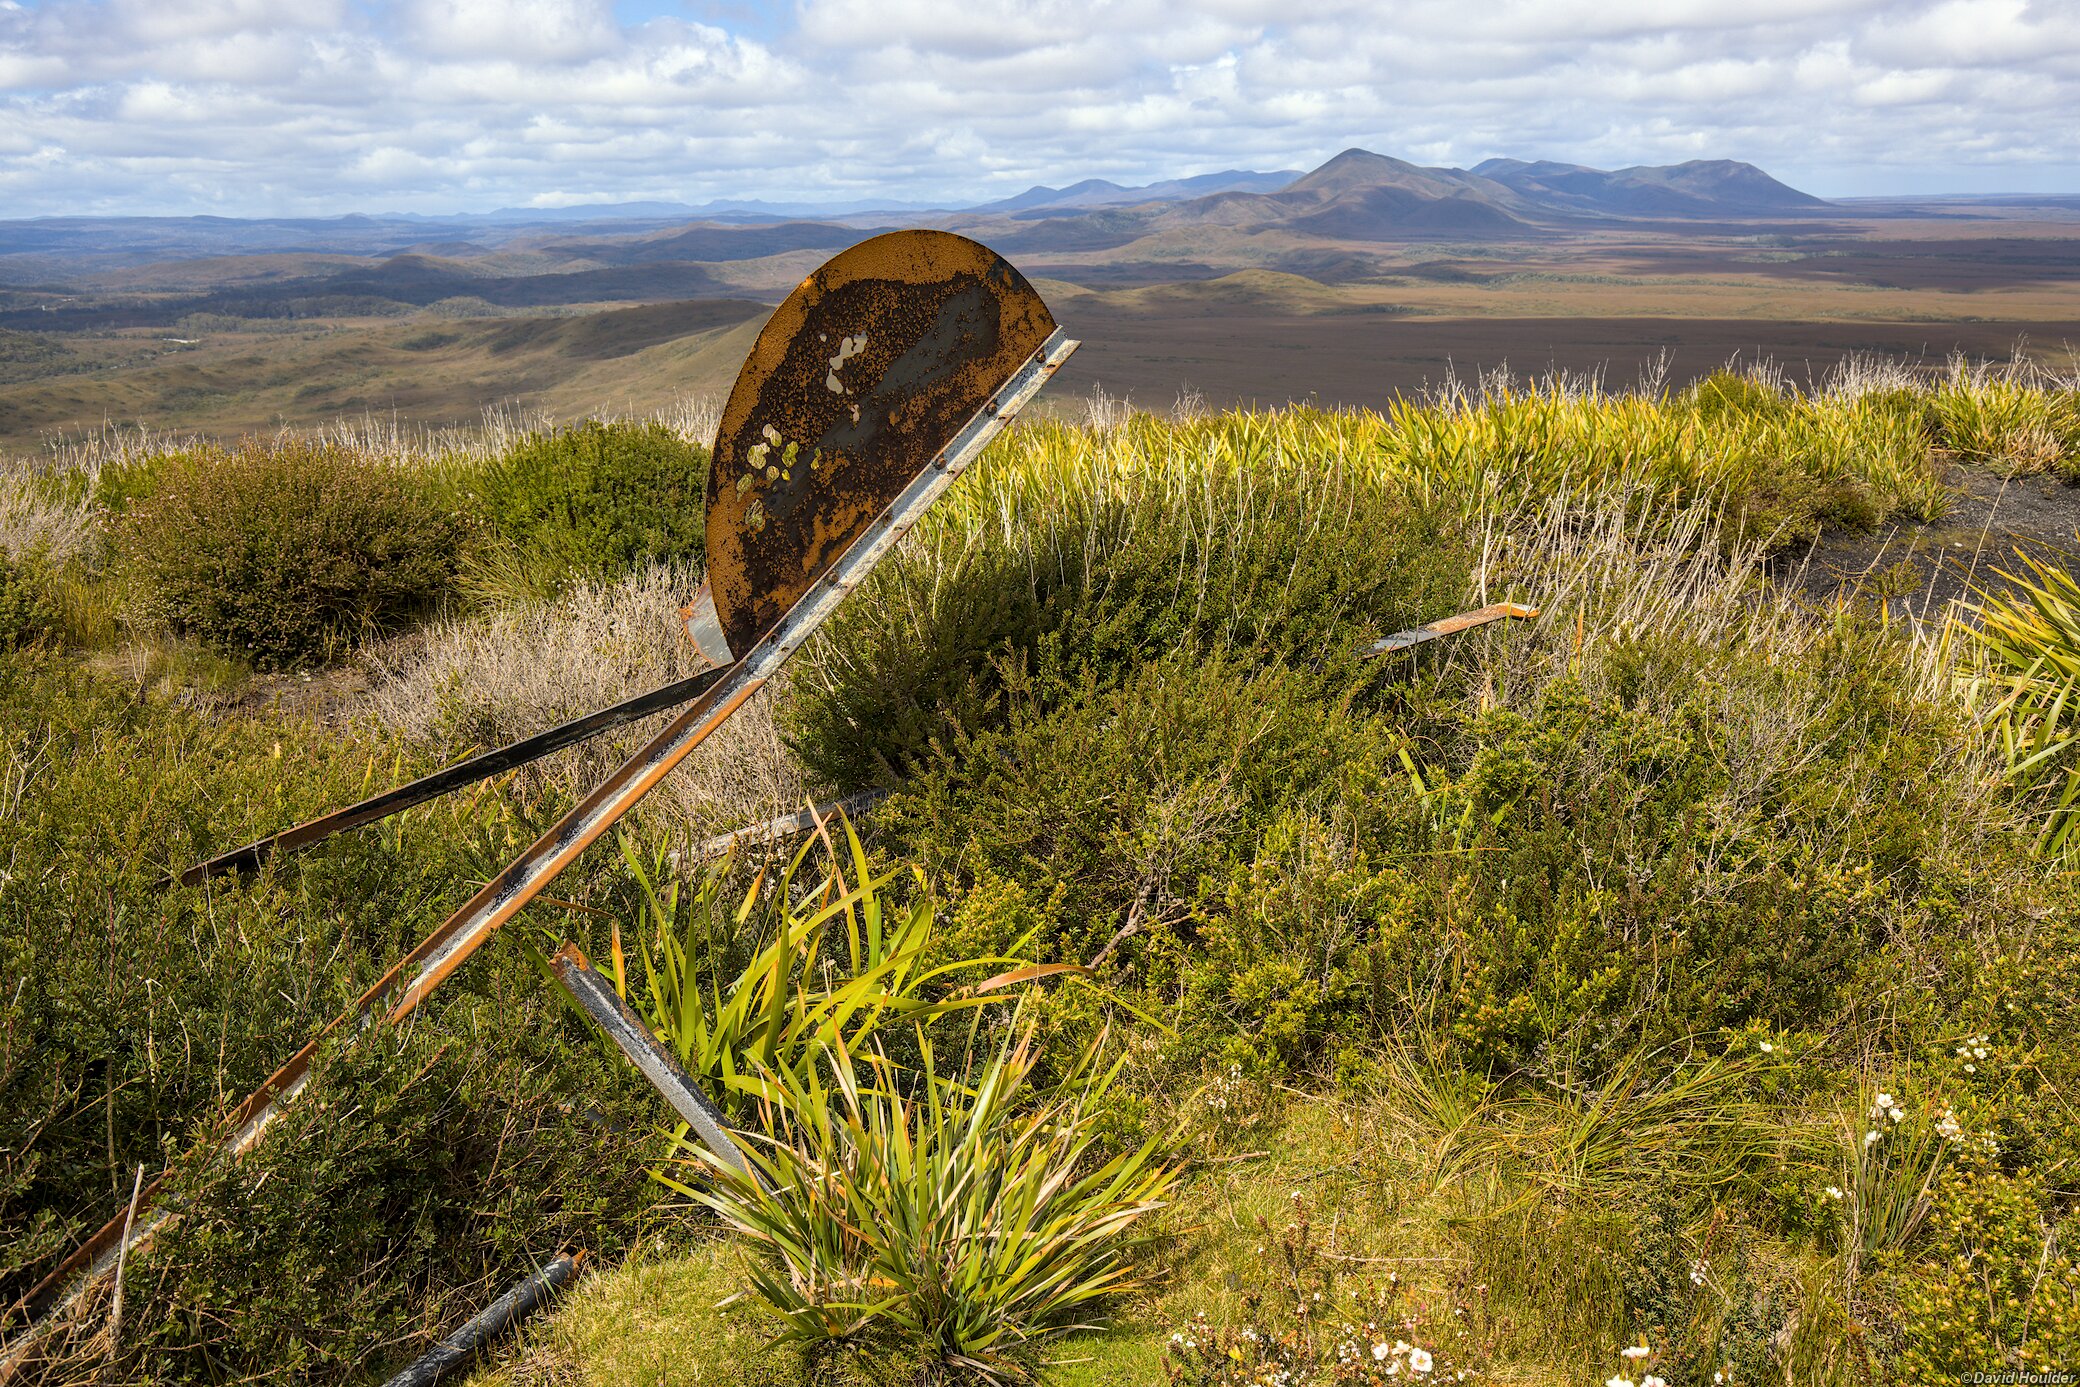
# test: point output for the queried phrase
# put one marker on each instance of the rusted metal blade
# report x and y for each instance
(1449, 626)
(960, 407)
(481, 767)
(599, 1001)
(903, 338)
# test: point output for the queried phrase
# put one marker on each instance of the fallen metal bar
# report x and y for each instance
(603, 1004)
(1449, 626)
(754, 834)
(482, 767)
(521, 1299)
(462, 933)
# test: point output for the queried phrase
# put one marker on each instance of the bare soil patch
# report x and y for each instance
(1917, 570)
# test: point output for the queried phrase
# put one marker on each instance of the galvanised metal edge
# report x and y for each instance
(655, 1063)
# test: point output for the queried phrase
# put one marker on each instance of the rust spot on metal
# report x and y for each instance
(866, 372)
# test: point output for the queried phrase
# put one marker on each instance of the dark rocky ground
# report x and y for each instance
(1917, 570)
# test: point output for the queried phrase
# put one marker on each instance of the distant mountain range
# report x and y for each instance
(1096, 192)
(521, 258)
(1355, 189)
(1362, 196)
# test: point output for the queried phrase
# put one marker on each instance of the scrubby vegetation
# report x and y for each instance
(285, 553)
(586, 502)
(1689, 972)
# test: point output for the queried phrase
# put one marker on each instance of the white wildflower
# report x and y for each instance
(1635, 1352)
(1418, 1361)
(1765, 1047)
(1380, 1352)
(1834, 1192)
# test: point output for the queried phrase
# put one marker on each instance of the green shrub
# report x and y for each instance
(2010, 422)
(825, 965)
(1090, 575)
(1303, 859)
(2029, 636)
(402, 1190)
(2000, 1290)
(286, 553)
(487, 1128)
(1726, 392)
(30, 611)
(589, 501)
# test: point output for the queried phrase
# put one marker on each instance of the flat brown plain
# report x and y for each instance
(1240, 318)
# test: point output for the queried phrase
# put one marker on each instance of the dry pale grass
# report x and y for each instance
(1869, 373)
(503, 428)
(32, 522)
(488, 680)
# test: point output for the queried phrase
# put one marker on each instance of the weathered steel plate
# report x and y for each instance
(877, 360)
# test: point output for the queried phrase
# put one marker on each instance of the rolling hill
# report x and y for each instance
(1363, 196)
(1701, 187)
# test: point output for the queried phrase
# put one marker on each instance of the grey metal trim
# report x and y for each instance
(704, 628)
(599, 1000)
(753, 834)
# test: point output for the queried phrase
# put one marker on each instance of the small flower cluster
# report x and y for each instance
(1972, 1050)
(1307, 1322)
(1392, 1359)
(1884, 1108)
(1636, 1356)
(1949, 1128)
(1699, 1270)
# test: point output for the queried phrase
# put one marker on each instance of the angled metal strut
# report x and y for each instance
(249, 858)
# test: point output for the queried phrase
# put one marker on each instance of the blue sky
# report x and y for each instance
(319, 107)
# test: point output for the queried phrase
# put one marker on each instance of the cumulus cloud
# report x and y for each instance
(328, 106)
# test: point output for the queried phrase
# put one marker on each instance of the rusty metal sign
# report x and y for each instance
(929, 343)
(886, 350)
(896, 343)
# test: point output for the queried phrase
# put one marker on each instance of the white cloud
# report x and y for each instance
(549, 32)
(334, 105)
